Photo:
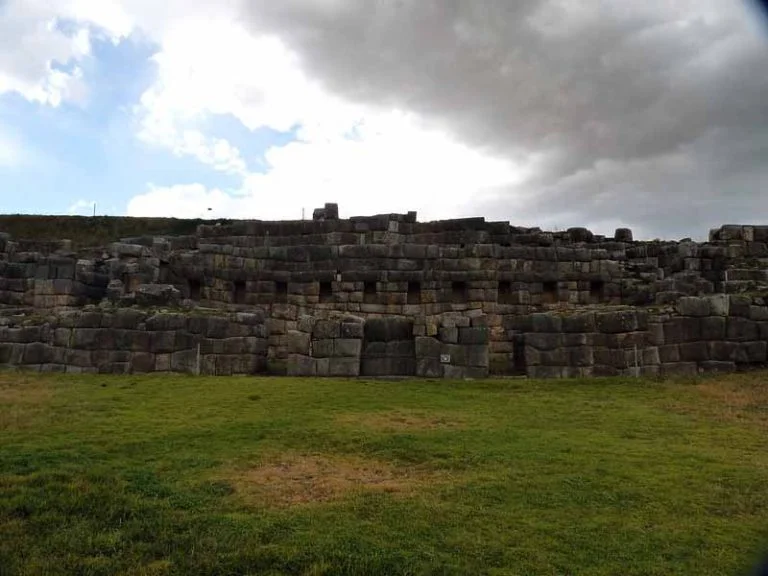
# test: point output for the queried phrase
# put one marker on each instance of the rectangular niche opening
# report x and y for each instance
(596, 291)
(240, 292)
(459, 292)
(414, 293)
(505, 292)
(326, 292)
(549, 293)
(369, 292)
(195, 289)
(281, 292)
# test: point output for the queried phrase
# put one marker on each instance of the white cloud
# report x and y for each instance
(369, 159)
(41, 62)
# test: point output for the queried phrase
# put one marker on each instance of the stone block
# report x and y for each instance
(723, 351)
(401, 348)
(694, 352)
(748, 352)
(579, 323)
(351, 330)
(162, 342)
(344, 366)
(669, 353)
(715, 366)
(718, 304)
(740, 329)
(388, 329)
(448, 334)
(322, 366)
(713, 328)
(426, 347)
(473, 336)
(739, 305)
(162, 363)
(542, 341)
(142, 362)
(429, 368)
(679, 369)
(542, 322)
(477, 356)
(322, 348)
(651, 356)
(184, 361)
(347, 348)
(545, 372)
(298, 342)
(758, 313)
(576, 339)
(616, 321)
(581, 356)
(692, 306)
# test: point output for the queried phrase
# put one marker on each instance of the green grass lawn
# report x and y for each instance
(180, 475)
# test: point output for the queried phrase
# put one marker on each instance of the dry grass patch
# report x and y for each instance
(305, 479)
(22, 399)
(397, 421)
(735, 397)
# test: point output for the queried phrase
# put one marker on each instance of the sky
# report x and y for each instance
(651, 115)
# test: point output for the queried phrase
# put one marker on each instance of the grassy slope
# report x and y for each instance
(160, 475)
(91, 232)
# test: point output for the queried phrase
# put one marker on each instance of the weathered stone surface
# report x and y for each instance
(614, 322)
(691, 306)
(347, 348)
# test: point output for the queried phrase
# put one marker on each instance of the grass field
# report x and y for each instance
(178, 475)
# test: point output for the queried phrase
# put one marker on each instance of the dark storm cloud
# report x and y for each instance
(651, 114)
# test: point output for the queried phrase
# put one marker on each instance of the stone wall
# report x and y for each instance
(325, 347)
(133, 341)
(463, 298)
(718, 333)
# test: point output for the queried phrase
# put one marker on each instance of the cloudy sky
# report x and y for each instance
(552, 113)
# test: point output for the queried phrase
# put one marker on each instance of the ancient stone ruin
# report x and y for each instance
(387, 295)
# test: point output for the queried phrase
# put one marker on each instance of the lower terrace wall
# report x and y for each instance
(129, 341)
(708, 334)
(697, 335)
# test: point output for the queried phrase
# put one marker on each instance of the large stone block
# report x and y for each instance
(694, 352)
(344, 366)
(322, 348)
(579, 323)
(448, 334)
(581, 356)
(692, 306)
(351, 330)
(714, 366)
(473, 336)
(388, 329)
(542, 341)
(669, 353)
(298, 342)
(426, 347)
(740, 329)
(477, 356)
(616, 321)
(679, 369)
(542, 322)
(429, 368)
(162, 342)
(347, 348)
(713, 328)
(749, 352)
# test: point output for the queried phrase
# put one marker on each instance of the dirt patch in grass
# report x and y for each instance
(397, 421)
(304, 479)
